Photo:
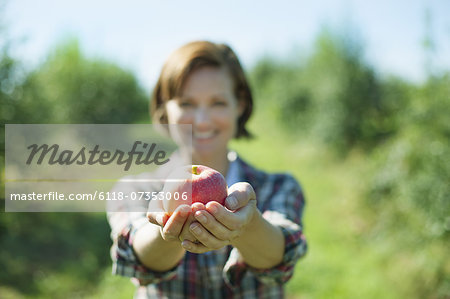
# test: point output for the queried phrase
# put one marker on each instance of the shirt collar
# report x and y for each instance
(233, 174)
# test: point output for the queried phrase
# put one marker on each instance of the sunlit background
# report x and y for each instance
(140, 34)
(352, 98)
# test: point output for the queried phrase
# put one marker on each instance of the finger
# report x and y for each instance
(223, 215)
(194, 247)
(205, 237)
(175, 223)
(197, 206)
(232, 220)
(216, 228)
(185, 232)
(156, 213)
(239, 195)
(158, 218)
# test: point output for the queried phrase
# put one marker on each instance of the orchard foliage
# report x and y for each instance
(72, 88)
(54, 254)
(336, 97)
(411, 189)
(333, 92)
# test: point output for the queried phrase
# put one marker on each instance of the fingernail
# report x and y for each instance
(183, 212)
(197, 206)
(232, 202)
(200, 217)
(213, 209)
(195, 228)
(186, 245)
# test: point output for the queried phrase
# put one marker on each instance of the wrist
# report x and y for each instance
(249, 228)
(152, 234)
(153, 251)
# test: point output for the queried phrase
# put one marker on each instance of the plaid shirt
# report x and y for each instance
(218, 273)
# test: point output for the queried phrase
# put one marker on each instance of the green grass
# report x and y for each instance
(113, 286)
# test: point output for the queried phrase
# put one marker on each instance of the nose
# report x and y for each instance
(202, 118)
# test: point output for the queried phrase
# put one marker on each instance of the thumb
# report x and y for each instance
(239, 196)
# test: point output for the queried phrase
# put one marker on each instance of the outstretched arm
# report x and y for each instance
(156, 244)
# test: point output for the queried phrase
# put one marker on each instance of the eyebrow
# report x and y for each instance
(181, 98)
(220, 96)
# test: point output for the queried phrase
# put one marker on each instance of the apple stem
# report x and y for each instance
(194, 169)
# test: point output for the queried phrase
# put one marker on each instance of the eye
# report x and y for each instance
(184, 104)
(220, 103)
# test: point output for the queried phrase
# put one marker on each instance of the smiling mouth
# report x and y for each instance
(205, 135)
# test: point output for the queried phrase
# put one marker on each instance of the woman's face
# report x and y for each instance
(208, 103)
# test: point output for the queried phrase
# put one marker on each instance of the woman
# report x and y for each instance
(247, 249)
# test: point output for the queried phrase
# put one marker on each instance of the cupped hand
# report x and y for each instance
(218, 226)
(171, 226)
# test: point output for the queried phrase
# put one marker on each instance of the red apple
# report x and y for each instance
(194, 183)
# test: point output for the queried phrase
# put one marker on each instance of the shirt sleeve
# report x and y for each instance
(284, 208)
(125, 218)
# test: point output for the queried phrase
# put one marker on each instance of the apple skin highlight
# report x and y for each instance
(201, 183)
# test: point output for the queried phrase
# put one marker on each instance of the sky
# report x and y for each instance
(139, 35)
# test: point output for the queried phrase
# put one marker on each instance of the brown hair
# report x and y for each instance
(193, 56)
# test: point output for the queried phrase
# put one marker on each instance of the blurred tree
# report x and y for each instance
(10, 71)
(333, 94)
(82, 90)
(53, 254)
(68, 88)
(7, 66)
(348, 107)
(412, 193)
(279, 89)
(428, 44)
(39, 247)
